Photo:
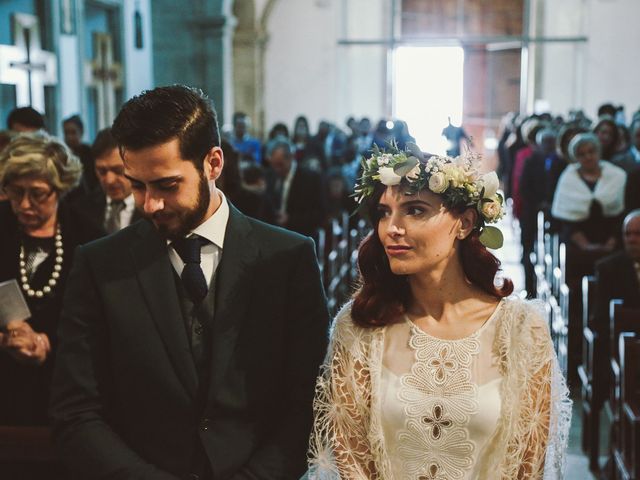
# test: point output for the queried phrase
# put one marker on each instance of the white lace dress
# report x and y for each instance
(440, 400)
(398, 403)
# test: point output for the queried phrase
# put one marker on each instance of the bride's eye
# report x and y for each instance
(415, 211)
(382, 212)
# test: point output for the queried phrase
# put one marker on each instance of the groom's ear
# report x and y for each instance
(213, 163)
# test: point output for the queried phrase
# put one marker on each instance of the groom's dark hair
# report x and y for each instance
(158, 116)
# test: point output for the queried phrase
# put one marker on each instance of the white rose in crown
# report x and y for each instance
(414, 173)
(454, 174)
(384, 159)
(490, 183)
(491, 210)
(438, 182)
(388, 177)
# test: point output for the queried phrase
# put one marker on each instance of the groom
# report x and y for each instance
(189, 341)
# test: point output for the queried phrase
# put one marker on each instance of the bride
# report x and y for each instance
(433, 371)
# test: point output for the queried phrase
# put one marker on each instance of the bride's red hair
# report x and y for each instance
(383, 296)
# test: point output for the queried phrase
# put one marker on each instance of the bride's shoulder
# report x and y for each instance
(346, 330)
(525, 320)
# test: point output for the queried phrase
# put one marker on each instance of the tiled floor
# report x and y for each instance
(577, 463)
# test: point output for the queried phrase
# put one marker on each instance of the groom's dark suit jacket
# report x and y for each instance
(125, 401)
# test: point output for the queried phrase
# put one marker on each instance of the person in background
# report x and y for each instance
(588, 204)
(300, 139)
(73, 129)
(609, 136)
(38, 239)
(530, 128)
(589, 197)
(111, 206)
(618, 277)
(25, 119)
(400, 133)
(247, 146)
(339, 199)
(634, 148)
(250, 201)
(297, 193)
(632, 191)
(455, 136)
(536, 191)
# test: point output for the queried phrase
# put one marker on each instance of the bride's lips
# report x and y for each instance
(397, 249)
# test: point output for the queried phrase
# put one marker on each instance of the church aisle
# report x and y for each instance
(509, 255)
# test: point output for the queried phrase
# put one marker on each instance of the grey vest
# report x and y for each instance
(198, 322)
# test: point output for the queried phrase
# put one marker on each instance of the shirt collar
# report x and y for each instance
(129, 201)
(214, 227)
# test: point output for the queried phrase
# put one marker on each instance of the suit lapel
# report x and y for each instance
(155, 275)
(136, 216)
(239, 253)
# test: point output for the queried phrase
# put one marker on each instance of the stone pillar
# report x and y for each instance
(215, 35)
(246, 76)
(196, 50)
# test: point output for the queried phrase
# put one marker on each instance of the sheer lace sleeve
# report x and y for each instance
(532, 433)
(340, 445)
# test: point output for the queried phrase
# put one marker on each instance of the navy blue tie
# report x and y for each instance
(192, 276)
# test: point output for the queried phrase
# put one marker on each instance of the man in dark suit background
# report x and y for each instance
(618, 277)
(618, 274)
(189, 342)
(632, 190)
(112, 206)
(297, 193)
(537, 185)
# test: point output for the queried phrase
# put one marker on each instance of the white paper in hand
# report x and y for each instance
(12, 303)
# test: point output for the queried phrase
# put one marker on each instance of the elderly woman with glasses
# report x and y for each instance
(38, 236)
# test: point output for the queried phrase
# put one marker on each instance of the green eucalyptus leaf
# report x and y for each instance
(405, 167)
(491, 237)
(415, 150)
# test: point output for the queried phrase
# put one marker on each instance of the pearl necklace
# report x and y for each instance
(55, 274)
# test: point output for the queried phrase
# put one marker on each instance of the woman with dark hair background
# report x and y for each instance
(609, 135)
(434, 372)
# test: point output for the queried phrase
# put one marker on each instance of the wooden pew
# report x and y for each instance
(28, 452)
(25, 444)
(626, 453)
(589, 374)
(624, 321)
(339, 266)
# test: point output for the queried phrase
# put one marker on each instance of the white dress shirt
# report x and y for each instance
(126, 214)
(213, 229)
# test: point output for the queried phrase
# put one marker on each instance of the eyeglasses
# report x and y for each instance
(35, 195)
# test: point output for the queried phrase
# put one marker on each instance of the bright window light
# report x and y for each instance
(428, 84)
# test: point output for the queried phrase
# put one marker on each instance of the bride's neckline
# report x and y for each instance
(475, 333)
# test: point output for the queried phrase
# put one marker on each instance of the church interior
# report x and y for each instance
(512, 80)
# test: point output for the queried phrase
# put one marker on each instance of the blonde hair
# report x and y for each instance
(40, 155)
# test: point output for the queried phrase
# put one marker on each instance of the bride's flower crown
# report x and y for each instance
(456, 180)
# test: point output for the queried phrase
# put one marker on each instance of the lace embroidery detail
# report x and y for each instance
(439, 400)
(347, 439)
